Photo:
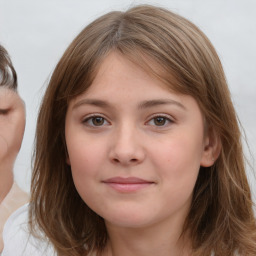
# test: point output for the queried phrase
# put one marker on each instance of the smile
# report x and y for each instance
(126, 185)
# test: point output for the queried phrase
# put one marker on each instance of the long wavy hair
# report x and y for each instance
(220, 218)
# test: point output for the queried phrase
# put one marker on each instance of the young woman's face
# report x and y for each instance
(134, 147)
(12, 124)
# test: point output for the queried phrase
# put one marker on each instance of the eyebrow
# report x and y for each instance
(142, 105)
(94, 102)
(157, 102)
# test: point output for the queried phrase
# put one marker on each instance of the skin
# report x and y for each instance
(12, 125)
(129, 125)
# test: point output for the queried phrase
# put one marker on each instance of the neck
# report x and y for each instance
(6, 181)
(160, 241)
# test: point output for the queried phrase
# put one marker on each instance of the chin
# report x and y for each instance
(129, 220)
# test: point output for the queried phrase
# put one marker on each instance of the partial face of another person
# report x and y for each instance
(12, 124)
(135, 147)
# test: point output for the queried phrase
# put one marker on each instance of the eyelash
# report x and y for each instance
(89, 120)
(4, 111)
(166, 118)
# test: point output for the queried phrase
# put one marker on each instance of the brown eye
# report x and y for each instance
(159, 121)
(98, 121)
(95, 121)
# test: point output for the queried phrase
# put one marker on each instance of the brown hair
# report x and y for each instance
(221, 217)
(8, 76)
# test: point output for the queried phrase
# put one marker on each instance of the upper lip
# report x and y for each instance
(126, 180)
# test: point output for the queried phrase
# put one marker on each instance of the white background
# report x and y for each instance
(36, 33)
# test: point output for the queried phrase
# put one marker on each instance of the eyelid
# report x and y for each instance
(86, 118)
(94, 115)
(4, 111)
(169, 118)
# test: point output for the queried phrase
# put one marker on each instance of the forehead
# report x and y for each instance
(121, 82)
(10, 97)
(6, 91)
(119, 72)
(127, 71)
(134, 66)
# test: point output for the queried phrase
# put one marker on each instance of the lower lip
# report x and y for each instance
(128, 187)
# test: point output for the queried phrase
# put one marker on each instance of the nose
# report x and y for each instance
(127, 147)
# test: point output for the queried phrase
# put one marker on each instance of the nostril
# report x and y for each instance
(133, 160)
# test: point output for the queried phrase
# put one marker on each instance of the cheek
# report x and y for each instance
(179, 159)
(11, 134)
(82, 163)
(85, 159)
(179, 151)
(179, 164)
(3, 148)
(85, 162)
(10, 142)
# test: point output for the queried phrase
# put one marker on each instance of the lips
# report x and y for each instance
(129, 184)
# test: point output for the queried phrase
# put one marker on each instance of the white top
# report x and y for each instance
(13, 200)
(17, 239)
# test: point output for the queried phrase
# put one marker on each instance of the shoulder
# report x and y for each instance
(17, 239)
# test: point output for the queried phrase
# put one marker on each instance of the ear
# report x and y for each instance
(212, 148)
